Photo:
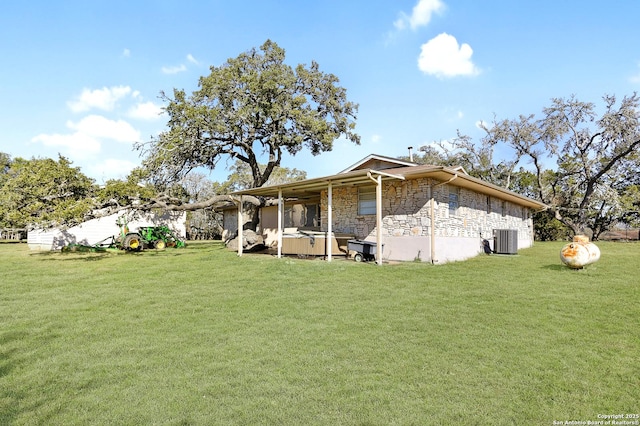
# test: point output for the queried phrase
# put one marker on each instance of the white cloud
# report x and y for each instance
(174, 70)
(180, 68)
(111, 168)
(443, 57)
(101, 144)
(191, 59)
(79, 145)
(376, 139)
(89, 135)
(126, 53)
(100, 127)
(104, 99)
(146, 111)
(420, 15)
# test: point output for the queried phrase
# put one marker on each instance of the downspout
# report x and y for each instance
(378, 182)
(433, 219)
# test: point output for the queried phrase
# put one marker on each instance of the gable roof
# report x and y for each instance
(310, 188)
(378, 162)
(361, 173)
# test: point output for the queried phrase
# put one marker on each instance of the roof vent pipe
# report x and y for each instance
(410, 153)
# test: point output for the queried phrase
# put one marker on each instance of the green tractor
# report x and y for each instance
(157, 237)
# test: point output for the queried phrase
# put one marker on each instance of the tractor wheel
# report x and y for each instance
(358, 257)
(133, 242)
(160, 245)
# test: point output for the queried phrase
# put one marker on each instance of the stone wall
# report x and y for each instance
(406, 213)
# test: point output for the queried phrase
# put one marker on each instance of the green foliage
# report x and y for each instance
(203, 224)
(241, 177)
(584, 165)
(252, 105)
(524, 182)
(44, 192)
(630, 200)
(125, 192)
(5, 163)
(594, 156)
(478, 159)
(205, 337)
(548, 228)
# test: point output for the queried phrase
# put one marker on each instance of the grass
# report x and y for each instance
(199, 336)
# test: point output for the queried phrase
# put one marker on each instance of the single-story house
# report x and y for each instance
(412, 212)
(94, 231)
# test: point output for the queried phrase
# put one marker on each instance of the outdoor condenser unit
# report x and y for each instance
(505, 241)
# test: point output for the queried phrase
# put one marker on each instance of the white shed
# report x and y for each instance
(96, 230)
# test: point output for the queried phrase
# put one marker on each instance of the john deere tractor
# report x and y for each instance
(158, 237)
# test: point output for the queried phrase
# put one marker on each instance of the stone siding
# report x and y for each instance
(406, 212)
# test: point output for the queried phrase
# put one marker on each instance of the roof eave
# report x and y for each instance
(445, 173)
(360, 177)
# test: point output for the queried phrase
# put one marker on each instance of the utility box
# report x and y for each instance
(505, 241)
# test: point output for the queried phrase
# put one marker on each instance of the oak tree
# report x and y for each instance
(583, 158)
(44, 192)
(252, 107)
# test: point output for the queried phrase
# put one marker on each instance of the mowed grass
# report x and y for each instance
(200, 336)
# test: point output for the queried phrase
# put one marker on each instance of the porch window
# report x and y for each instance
(367, 200)
(301, 215)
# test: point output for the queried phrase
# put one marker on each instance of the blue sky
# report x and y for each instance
(82, 78)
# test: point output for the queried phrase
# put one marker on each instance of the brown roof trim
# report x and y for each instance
(360, 177)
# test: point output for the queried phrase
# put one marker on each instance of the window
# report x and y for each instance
(453, 200)
(367, 200)
(488, 204)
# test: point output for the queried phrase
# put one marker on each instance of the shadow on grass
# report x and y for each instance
(554, 267)
(92, 256)
(86, 256)
(563, 268)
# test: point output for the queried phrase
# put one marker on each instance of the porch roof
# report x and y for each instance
(455, 176)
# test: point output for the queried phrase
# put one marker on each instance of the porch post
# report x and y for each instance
(240, 223)
(279, 223)
(379, 220)
(329, 219)
(432, 242)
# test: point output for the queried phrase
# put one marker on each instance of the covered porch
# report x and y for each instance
(314, 189)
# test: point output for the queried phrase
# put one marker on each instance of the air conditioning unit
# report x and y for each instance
(505, 241)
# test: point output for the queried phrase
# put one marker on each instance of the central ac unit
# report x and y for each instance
(505, 241)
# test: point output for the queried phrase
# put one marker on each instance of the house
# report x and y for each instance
(413, 212)
(96, 230)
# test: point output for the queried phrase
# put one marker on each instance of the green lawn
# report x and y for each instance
(200, 336)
